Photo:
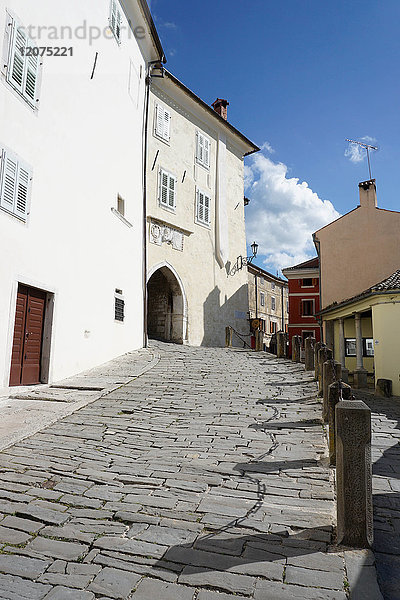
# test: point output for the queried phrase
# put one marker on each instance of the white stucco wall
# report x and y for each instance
(85, 147)
(214, 299)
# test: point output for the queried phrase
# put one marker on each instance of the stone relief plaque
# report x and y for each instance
(164, 234)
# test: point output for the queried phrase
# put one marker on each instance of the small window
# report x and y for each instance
(272, 285)
(350, 346)
(22, 69)
(308, 282)
(273, 327)
(121, 205)
(116, 19)
(273, 303)
(368, 344)
(262, 298)
(162, 126)
(307, 308)
(263, 325)
(119, 306)
(167, 194)
(203, 208)
(15, 183)
(202, 150)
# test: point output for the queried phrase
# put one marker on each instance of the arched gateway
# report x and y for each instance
(166, 305)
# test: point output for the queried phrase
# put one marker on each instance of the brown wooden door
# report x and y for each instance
(28, 336)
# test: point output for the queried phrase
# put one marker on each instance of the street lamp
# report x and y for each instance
(242, 261)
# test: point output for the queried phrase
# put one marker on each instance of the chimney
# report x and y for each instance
(368, 194)
(221, 107)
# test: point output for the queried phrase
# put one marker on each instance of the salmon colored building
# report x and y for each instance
(303, 300)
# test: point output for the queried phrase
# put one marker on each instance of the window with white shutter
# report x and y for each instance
(203, 146)
(203, 208)
(162, 126)
(167, 194)
(22, 69)
(15, 182)
(116, 20)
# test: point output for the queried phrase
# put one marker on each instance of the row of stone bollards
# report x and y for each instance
(349, 427)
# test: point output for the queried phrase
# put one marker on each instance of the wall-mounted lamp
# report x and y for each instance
(243, 261)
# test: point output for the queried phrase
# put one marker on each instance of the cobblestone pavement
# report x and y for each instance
(204, 479)
(386, 486)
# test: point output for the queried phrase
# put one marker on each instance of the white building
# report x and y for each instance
(195, 218)
(71, 183)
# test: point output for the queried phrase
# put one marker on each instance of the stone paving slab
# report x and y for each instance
(205, 478)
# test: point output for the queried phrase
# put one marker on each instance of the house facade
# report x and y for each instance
(72, 100)
(366, 332)
(268, 301)
(304, 286)
(195, 217)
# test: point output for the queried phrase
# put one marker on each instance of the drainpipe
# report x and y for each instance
(283, 312)
(149, 69)
(317, 245)
(256, 296)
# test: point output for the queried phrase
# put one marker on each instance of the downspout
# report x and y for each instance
(256, 296)
(149, 68)
(318, 249)
(283, 313)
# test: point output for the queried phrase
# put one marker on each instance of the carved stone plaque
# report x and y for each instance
(164, 234)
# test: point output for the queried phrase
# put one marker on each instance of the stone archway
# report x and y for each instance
(166, 305)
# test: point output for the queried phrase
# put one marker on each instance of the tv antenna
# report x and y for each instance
(368, 147)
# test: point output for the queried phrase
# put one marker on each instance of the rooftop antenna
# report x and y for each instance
(368, 147)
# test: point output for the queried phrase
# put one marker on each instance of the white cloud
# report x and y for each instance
(356, 153)
(283, 213)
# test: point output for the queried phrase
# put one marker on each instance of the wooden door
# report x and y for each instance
(28, 336)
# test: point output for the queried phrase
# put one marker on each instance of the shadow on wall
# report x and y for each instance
(219, 312)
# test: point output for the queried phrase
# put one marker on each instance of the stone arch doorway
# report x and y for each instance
(166, 305)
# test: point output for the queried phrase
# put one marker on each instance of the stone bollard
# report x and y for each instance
(353, 474)
(259, 340)
(331, 372)
(317, 348)
(296, 348)
(309, 353)
(324, 354)
(333, 399)
(280, 345)
(228, 337)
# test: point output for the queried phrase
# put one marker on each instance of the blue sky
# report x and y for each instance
(302, 76)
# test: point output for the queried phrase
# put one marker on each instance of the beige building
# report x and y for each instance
(268, 301)
(358, 249)
(195, 217)
(360, 317)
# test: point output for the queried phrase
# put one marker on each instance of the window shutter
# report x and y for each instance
(200, 209)
(16, 66)
(200, 147)
(115, 19)
(159, 128)
(23, 183)
(172, 191)
(207, 209)
(206, 152)
(9, 181)
(32, 68)
(166, 125)
(164, 188)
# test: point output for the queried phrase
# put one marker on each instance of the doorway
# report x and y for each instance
(166, 306)
(26, 356)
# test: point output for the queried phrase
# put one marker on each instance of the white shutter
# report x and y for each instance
(31, 74)
(8, 181)
(206, 152)
(207, 209)
(22, 191)
(164, 188)
(166, 125)
(200, 148)
(159, 124)
(17, 62)
(200, 206)
(115, 19)
(172, 191)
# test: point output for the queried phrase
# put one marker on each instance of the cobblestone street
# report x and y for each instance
(205, 478)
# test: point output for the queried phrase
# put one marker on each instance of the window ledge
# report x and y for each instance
(121, 217)
(205, 225)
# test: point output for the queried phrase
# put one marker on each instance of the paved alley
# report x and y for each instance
(203, 479)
